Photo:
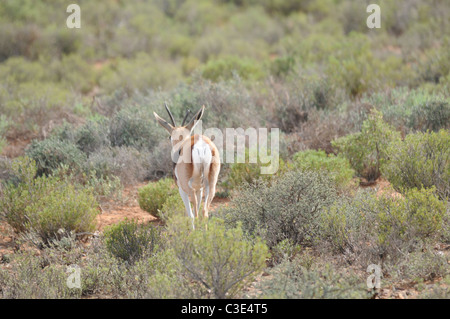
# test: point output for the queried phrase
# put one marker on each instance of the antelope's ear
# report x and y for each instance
(190, 126)
(163, 123)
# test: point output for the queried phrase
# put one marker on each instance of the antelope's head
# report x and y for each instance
(179, 133)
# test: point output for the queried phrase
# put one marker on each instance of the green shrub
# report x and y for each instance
(284, 250)
(292, 280)
(219, 259)
(432, 115)
(4, 124)
(50, 153)
(335, 226)
(412, 110)
(367, 150)
(141, 72)
(47, 206)
(421, 160)
(133, 127)
(222, 69)
(417, 266)
(417, 216)
(152, 197)
(129, 241)
(282, 66)
(248, 173)
(172, 206)
(337, 168)
(383, 228)
(289, 208)
(28, 279)
(125, 162)
(92, 136)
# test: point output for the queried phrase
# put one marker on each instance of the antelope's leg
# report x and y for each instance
(195, 202)
(187, 204)
(206, 203)
(212, 192)
(199, 201)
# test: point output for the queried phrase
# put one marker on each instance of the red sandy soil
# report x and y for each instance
(129, 208)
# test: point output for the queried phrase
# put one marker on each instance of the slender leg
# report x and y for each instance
(195, 203)
(187, 204)
(212, 193)
(199, 201)
(206, 204)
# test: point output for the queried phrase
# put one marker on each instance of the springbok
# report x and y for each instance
(196, 162)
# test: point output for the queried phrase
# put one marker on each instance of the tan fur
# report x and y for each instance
(186, 176)
(185, 173)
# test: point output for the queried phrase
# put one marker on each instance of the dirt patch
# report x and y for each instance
(114, 212)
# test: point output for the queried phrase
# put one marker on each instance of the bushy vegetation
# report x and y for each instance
(421, 160)
(153, 196)
(220, 259)
(367, 150)
(337, 168)
(347, 99)
(301, 279)
(393, 225)
(248, 173)
(286, 209)
(130, 241)
(46, 206)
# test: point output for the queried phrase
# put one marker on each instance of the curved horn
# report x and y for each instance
(170, 113)
(185, 117)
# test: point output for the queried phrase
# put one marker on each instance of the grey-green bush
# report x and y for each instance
(287, 209)
(47, 206)
(218, 258)
(421, 160)
(50, 153)
(367, 150)
(129, 241)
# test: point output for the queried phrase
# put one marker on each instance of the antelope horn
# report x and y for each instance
(170, 113)
(185, 117)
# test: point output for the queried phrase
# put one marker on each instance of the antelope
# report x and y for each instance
(196, 162)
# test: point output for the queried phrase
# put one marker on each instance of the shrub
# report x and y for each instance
(292, 280)
(47, 206)
(127, 163)
(417, 216)
(173, 206)
(287, 209)
(367, 150)
(219, 259)
(421, 160)
(417, 266)
(412, 110)
(248, 173)
(92, 136)
(335, 226)
(222, 69)
(369, 226)
(431, 115)
(139, 73)
(133, 127)
(129, 241)
(337, 168)
(152, 197)
(28, 279)
(4, 124)
(50, 153)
